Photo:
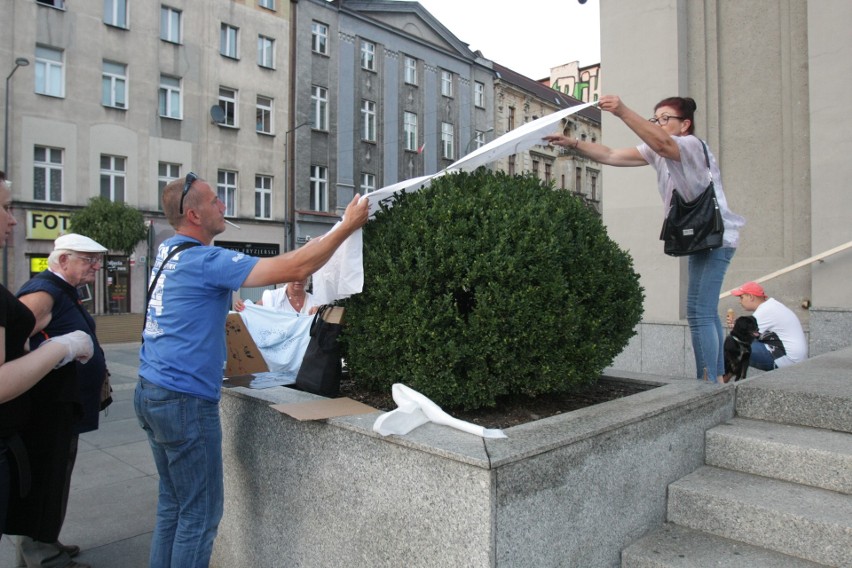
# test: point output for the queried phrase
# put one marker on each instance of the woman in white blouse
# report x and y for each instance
(291, 298)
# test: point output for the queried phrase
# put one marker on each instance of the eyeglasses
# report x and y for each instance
(90, 260)
(663, 120)
(190, 179)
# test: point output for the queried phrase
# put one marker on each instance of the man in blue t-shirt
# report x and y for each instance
(183, 356)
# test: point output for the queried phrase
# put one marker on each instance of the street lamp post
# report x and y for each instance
(467, 148)
(290, 189)
(19, 62)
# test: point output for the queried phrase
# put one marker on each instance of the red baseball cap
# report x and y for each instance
(752, 288)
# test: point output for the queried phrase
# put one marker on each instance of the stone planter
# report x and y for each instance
(570, 490)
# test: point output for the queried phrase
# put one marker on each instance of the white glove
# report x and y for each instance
(79, 346)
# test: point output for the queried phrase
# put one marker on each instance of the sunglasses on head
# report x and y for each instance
(190, 179)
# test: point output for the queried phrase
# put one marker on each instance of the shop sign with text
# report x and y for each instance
(47, 225)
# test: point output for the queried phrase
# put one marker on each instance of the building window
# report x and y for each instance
(266, 52)
(166, 172)
(170, 20)
(368, 56)
(268, 4)
(170, 97)
(115, 13)
(319, 102)
(593, 185)
(368, 183)
(511, 121)
(479, 139)
(49, 72)
(264, 115)
(226, 190)
(113, 170)
(548, 172)
(228, 104)
(447, 141)
(263, 197)
(410, 70)
(511, 171)
(114, 85)
(319, 38)
(368, 120)
(446, 83)
(58, 4)
(409, 125)
(535, 169)
(319, 188)
(478, 94)
(228, 36)
(47, 174)
(578, 180)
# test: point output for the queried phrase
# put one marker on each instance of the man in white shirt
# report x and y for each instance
(782, 341)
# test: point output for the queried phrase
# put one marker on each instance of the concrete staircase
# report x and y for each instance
(776, 487)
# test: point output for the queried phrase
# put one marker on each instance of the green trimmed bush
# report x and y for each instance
(486, 285)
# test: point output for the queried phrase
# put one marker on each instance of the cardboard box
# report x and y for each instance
(244, 357)
(244, 360)
(328, 408)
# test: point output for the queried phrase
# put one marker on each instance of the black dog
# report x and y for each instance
(738, 347)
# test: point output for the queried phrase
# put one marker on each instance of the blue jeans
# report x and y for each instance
(706, 272)
(761, 358)
(186, 437)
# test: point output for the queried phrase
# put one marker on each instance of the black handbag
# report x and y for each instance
(321, 367)
(693, 226)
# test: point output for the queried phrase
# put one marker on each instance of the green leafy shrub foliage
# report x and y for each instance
(115, 225)
(487, 285)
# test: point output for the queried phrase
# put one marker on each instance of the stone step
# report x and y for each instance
(810, 456)
(806, 394)
(805, 522)
(674, 546)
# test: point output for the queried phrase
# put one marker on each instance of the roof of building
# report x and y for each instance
(378, 9)
(558, 98)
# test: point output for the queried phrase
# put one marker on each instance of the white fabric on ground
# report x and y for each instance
(415, 410)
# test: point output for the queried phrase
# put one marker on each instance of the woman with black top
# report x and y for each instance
(20, 370)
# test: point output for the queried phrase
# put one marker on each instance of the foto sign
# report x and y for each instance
(47, 225)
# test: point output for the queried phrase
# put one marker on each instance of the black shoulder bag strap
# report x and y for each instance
(707, 160)
(177, 249)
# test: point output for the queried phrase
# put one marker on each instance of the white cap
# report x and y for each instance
(77, 243)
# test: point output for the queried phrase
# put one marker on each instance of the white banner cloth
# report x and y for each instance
(340, 278)
(343, 274)
(281, 337)
(415, 410)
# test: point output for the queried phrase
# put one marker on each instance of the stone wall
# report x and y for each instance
(569, 490)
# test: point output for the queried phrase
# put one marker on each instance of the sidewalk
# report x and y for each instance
(114, 486)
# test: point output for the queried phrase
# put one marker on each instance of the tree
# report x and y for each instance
(114, 225)
(485, 285)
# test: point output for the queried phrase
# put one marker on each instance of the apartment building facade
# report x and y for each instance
(518, 100)
(389, 94)
(119, 98)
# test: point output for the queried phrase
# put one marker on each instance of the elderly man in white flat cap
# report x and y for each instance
(66, 403)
